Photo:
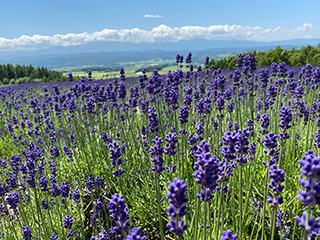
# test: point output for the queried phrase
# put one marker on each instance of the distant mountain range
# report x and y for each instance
(115, 53)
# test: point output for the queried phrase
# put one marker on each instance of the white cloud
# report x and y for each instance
(152, 16)
(162, 33)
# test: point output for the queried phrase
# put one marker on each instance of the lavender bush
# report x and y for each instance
(199, 153)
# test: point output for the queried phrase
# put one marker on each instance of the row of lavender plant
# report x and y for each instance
(196, 154)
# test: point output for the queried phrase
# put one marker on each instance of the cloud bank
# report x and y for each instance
(152, 16)
(162, 33)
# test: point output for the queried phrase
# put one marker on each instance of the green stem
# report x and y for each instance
(205, 222)
(273, 222)
(197, 190)
(80, 216)
(240, 202)
(294, 230)
(264, 204)
(159, 206)
(221, 205)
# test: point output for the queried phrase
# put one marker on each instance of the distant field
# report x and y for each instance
(225, 55)
(131, 69)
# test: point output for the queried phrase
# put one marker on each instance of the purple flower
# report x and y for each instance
(271, 143)
(227, 235)
(70, 234)
(54, 237)
(26, 233)
(275, 201)
(118, 209)
(68, 153)
(277, 177)
(230, 106)
(105, 236)
(12, 200)
(45, 204)
(317, 139)
(280, 221)
(98, 206)
(177, 227)
(177, 194)
(122, 74)
(285, 118)
(172, 139)
(93, 219)
(99, 182)
(65, 189)
(183, 114)
(310, 165)
(206, 168)
(89, 75)
(31, 181)
(178, 58)
(264, 76)
(70, 77)
(135, 235)
(205, 196)
(55, 190)
(191, 67)
(220, 104)
(199, 128)
(309, 225)
(76, 196)
(177, 209)
(242, 145)
(298, 92)
(229, 141)
(157, 152)
(15, 162)
(54, 152)
(90, 183)
(2, 190)
(265, 121)
(282, 69)
(249, 64)
(122, 90)
(152, 120)
(67, 222)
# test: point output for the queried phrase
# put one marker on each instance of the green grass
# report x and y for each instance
(130, 68)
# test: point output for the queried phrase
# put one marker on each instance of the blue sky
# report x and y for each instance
(246, 20)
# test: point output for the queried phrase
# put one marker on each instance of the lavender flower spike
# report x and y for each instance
(177, 209)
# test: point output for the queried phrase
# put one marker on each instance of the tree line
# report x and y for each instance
(10, 74)
(294, 57)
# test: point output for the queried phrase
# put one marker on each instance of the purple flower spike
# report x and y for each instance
(54, 237)
(285, 118)
(67, 222)
(277, 177)
(205, 196)
(118, 209)
(310, 165)
(98, 206)
(26, 233)
(135, 235)
(227, 235)
(177, 209)
(170, 147)
(13, 200)
(312, 227)
(157, 152)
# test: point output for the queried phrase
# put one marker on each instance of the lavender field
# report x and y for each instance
(199, 153)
